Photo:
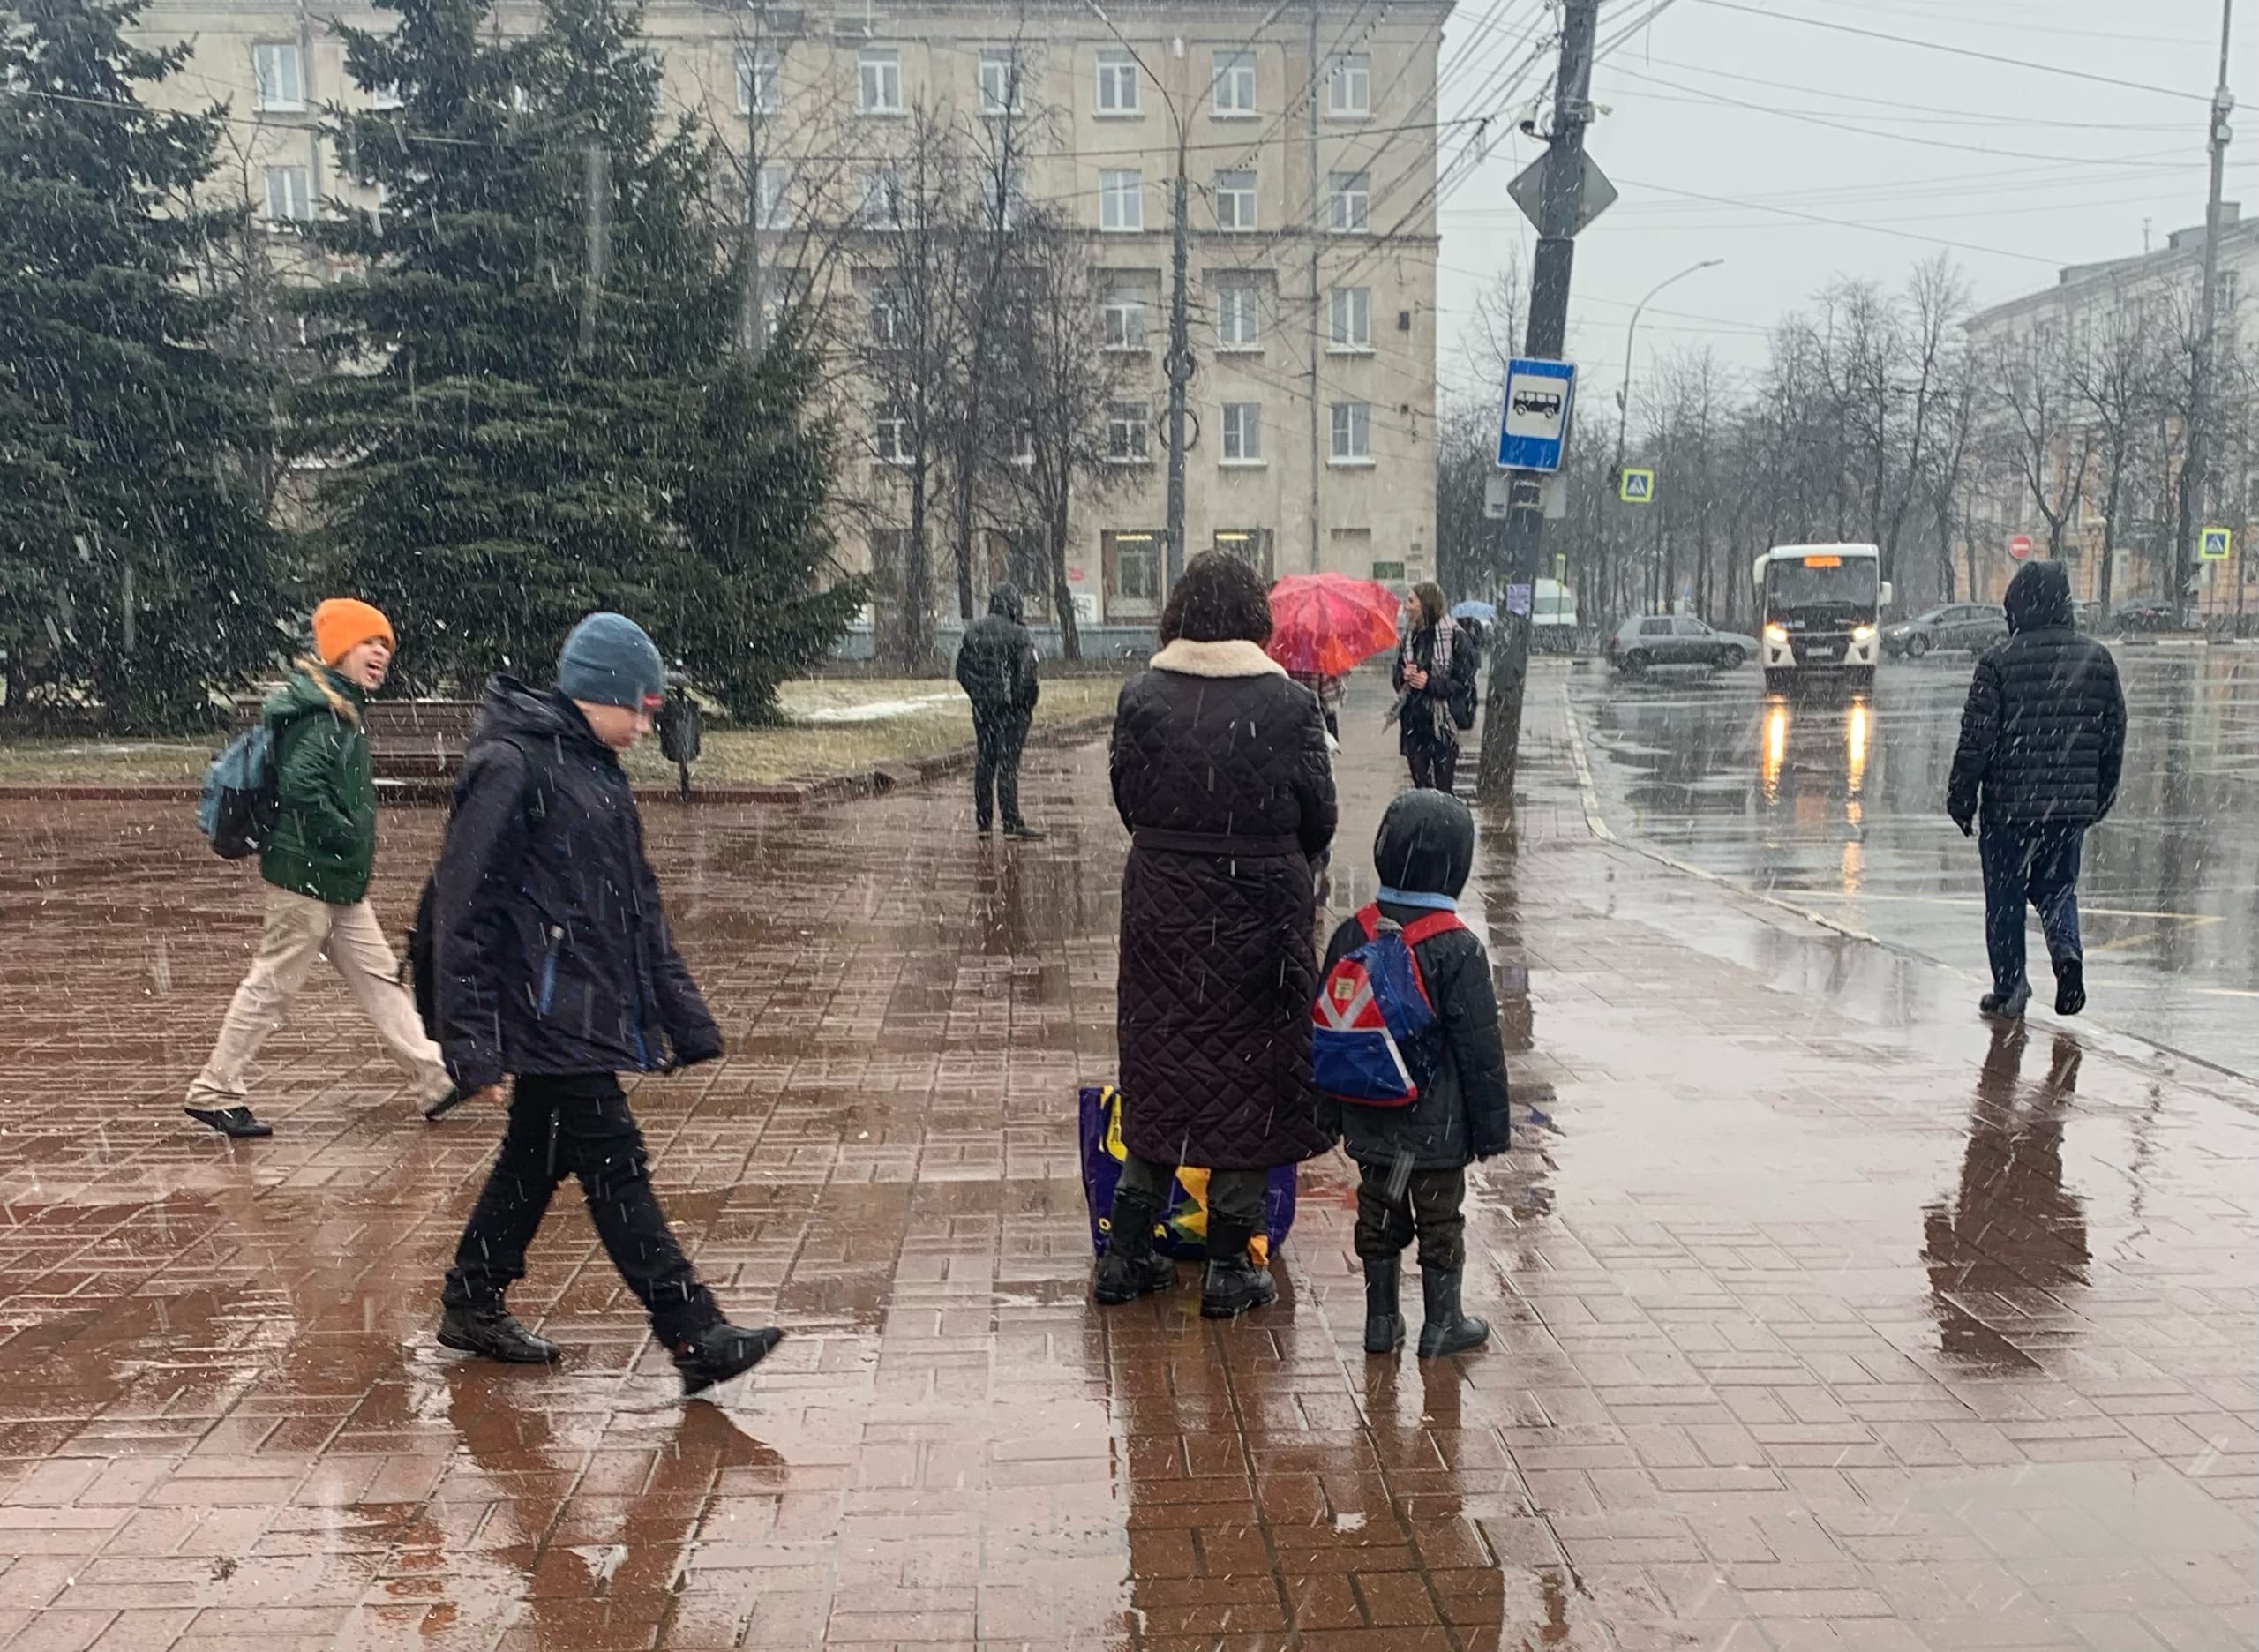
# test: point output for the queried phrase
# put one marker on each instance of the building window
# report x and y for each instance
(1121, 201)
(1242, 432)
(1133, 574)
(1350, 310)
(1248, 546)
(1350, 201)
(1235, 83)
(1349, 87)
(387, 97)
(758, 90)
(878, 76)
(1024, 442)
(890, 439)
(886, 319)
(278, 70)
(772, 198)
(999, 81)
(1126, 425)
(289, 194)
(1125, 322)
(1352, 433)
(882, 207)
(1239, 317)
(1117, 83)
(1234, 200)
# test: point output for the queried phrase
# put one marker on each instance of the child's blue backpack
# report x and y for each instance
(1375, 1039)
(241, 802)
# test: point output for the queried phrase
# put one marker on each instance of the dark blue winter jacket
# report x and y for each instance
(552, 955)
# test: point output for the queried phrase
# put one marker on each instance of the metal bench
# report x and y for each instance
(414, 744)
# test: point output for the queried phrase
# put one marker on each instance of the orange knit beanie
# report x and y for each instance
(343, 623)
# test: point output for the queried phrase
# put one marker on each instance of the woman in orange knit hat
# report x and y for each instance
(317, 868)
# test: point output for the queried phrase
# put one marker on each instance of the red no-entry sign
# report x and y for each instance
(2020, 546)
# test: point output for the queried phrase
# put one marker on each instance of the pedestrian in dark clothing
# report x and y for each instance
(996, 668)
(1221, 772)
(1430, 667)
(553, 964)
(1412, 1160)
(2042, 738)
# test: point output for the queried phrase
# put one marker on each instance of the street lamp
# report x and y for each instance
(1623, 391)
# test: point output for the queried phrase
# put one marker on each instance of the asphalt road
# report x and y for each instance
(1836, 804)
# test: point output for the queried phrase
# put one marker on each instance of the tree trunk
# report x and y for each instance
(1062, 597)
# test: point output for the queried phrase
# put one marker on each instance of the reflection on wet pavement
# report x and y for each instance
(1822, 1317)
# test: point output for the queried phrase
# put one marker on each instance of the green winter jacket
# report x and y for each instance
(325, 836)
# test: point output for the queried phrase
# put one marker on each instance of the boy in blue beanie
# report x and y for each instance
(553, 965)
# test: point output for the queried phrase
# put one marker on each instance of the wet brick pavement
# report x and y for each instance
(1826, 1318)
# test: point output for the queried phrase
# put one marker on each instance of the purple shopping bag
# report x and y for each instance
(1182, 1230)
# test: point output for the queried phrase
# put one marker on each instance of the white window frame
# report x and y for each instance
(1350, 321)
(1232, 91)
(886, 319)
(1121, 201)
(278, 76)
(1349, 87)
(1125, 319)
(1241, 433)
(890, 439)
(1239, 190)
(298, 194)
(761, 86)
(1024, 442)
(387, 97)
(1009, 190)
(772, 197)
(1351, 433)
(878, 81)
(1239, 317)
(1129, 426)
(1003, 91)
(1120, 95)
(880, 185)
(1349, 202)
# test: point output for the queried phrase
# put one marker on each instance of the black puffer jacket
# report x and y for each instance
(552, 955)
(1220, 773)
(1427, 845)
(2044, 732)
(995, 663)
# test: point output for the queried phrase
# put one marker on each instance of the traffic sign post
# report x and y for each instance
(2214, 544)
(1636, 486)
(1534, 424)
(2019, 546)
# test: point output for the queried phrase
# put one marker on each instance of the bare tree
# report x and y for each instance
(2113, 368)
(2044, 443)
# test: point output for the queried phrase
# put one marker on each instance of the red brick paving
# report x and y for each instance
(1824, 1318)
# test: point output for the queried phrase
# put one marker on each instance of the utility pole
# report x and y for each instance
(1318, 432)
(1561, 209)
(1180, 360)
(2196, 468)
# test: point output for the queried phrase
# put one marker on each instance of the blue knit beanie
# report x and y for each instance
(609, 660)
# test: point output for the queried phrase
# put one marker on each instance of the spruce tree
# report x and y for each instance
(137, 571)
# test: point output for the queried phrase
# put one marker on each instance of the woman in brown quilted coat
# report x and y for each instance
(1220, 773)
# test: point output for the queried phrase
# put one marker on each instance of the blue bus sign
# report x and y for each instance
(1534, 424)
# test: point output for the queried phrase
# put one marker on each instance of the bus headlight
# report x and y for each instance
(1776, 633)
(1862, 634)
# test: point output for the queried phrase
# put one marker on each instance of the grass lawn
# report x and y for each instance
(836, 727)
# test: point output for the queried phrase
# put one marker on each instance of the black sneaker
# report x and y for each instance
(495, 1336)
(2070, 986)
(2008, 1006)
(1025, 832)
(237, 1121)
(720, 1352)
(443, 1105)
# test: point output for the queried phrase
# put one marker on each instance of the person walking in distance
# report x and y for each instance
(553, 964)
(316, 866)
(1430, 665)
(996, 668)
(2043, 737)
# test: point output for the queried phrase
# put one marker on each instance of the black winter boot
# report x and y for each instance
(2070, 986)
(238, 1121)
(495, 1336)
(720, 1352)
(1234, 1284)
(1446, 1330)
(1131, 1268)
(2008, 1005)
(1384, 1322)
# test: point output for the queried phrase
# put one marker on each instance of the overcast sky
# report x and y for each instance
(2016, 166)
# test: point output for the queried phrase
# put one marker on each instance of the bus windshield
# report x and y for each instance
(1806, 581)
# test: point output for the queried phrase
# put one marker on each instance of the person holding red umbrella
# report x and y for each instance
(1323, 625)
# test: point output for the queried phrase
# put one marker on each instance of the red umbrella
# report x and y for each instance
(1327, 623)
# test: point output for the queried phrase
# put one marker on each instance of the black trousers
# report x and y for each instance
(577, 1125)
(997, 738)
(1234, 1197)
(1434, 767)
(1432, 1209)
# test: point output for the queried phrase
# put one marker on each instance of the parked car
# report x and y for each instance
(1974, 627)
(1650, 639)
(2143, 614)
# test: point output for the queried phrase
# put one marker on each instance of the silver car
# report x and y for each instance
(1972, 627)
(1675, 640)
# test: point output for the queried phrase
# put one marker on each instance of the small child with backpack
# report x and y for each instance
(1406, 1055)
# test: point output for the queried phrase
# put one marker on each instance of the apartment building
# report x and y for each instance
(1309, 140)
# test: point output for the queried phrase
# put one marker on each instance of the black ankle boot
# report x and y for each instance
(1446, 1330)
(720, 1352)
(238, 1121)
(496, 1336)
(2070, 986)
(1384, 1322)
(1234, 1283)
(1131, 1268)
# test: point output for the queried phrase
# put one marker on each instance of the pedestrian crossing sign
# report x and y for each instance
(1636, 487)
(2214, 546)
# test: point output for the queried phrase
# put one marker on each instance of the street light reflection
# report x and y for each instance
(1776, 748)
(1855, 747)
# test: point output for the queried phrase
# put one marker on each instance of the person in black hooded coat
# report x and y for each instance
(1423, 855)
(996, 668)
(2043, 737)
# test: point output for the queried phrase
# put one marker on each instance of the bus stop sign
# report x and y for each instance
(1534, 424)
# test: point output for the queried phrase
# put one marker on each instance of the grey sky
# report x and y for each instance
(1899, 145)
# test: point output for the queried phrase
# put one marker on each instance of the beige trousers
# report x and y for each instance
(300, 930)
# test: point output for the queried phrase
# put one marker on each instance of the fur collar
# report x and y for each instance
(1237, 658)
